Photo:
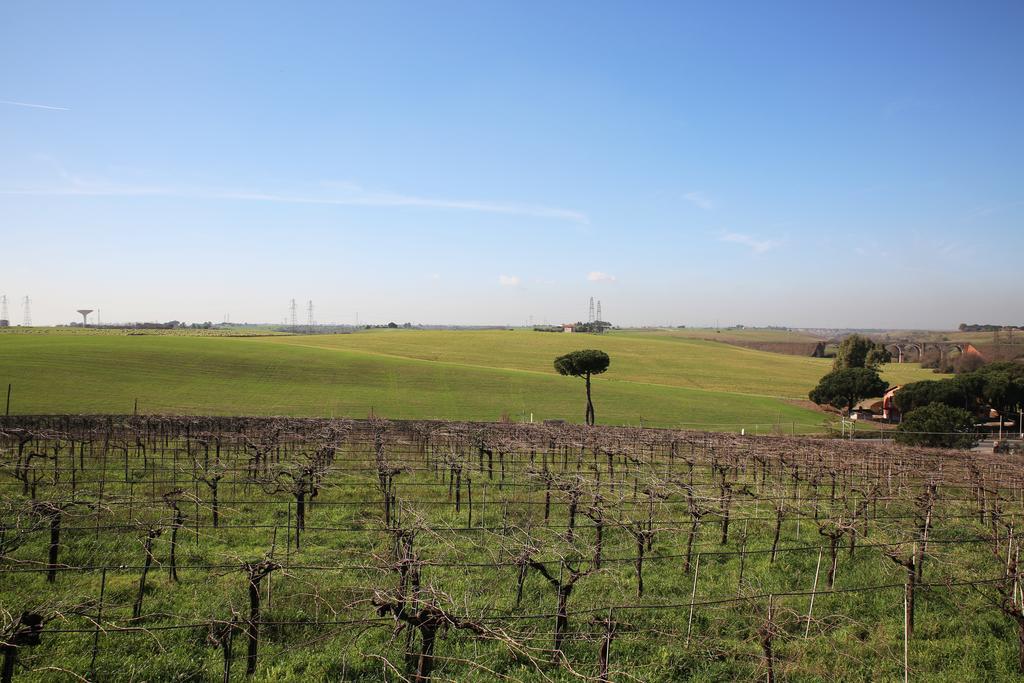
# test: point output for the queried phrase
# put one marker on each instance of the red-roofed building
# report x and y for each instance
(890, 413)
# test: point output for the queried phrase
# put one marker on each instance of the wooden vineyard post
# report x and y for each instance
(798, 516)
(270, 591)
(743, 554)
(906, 636)
(693, 597)
(814, 590)
(604, 654)
(195, 496)
(558, 613)
(99, 622)
(909, 591)
(767, 636)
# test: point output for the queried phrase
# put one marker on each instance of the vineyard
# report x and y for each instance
(217, 548)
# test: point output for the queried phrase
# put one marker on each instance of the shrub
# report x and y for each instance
(968, 362)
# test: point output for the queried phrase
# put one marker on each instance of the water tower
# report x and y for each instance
(84, 312)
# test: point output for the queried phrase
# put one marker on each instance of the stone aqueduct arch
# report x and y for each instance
(901, 348)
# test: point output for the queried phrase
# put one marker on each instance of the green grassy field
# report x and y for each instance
(247, 331)
(728, 334)
(665, 380)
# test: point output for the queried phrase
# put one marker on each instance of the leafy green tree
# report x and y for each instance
(937, 425)
(843, 388)
(1003, 391)
(877, 356)
(971, 386)
(858, 351)
(951, 392)
(914, 395)
(584, 364)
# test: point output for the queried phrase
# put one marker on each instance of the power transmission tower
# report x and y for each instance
(27, 320)
(293, 319)
(5, 319)
(599, 310)
(590, 314)
(309, 315)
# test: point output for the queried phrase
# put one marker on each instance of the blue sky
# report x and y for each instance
(807, 164)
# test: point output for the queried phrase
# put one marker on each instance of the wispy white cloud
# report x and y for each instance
(700, 200)
(759, 246)
(33, 106)
(598, 276)
(508, 280)
(331, 194)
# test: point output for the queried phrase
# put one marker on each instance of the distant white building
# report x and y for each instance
(569, 328)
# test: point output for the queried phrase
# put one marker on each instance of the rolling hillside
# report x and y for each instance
(471, 375)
